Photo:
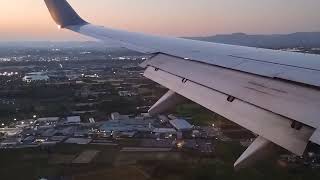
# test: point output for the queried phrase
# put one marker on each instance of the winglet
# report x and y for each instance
(63, 14)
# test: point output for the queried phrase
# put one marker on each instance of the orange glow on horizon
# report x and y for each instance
(28, 18)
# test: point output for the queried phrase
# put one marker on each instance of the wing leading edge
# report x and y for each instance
(269, 107)
(270, 63)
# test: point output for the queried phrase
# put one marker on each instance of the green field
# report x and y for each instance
(57, 162)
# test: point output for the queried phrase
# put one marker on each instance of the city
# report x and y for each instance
(159, 90)
(93, 109)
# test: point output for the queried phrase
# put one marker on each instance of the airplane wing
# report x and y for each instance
(274, 94)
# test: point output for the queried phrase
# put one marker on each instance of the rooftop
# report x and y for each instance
(181, 124)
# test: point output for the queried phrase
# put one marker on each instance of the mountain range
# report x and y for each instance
(274, 41)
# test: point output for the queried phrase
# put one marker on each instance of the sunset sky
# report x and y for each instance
(30, 20)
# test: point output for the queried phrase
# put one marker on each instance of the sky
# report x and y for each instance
(30, 20)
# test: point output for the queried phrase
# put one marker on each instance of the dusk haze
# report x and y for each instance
(29, 20)
(160, 89)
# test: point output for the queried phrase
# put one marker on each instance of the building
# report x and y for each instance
(164, 132)
(117, 116)
(10, 131)
(181, 125)
(129, 125)
(48, 119)
(73, 120)
(35, 76)
(126, 93)
(46, 122)
(163, 119)
(10, 142)
(29, 140)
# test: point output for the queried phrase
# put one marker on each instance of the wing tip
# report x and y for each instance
(63, 14)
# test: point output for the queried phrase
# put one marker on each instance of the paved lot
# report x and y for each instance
(85, 157)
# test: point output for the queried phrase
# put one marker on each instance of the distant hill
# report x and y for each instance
(66, 45)
(275, 41)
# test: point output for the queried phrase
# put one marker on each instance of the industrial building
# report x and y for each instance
(35, 76)
(73, 120)
(181, 125)
(128, 125)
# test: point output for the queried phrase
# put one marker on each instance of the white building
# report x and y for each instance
(164, 130)
(73, 120)
(46, 122)
(48, 119)
(117, 116)
(181, 124)
(35, 76)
